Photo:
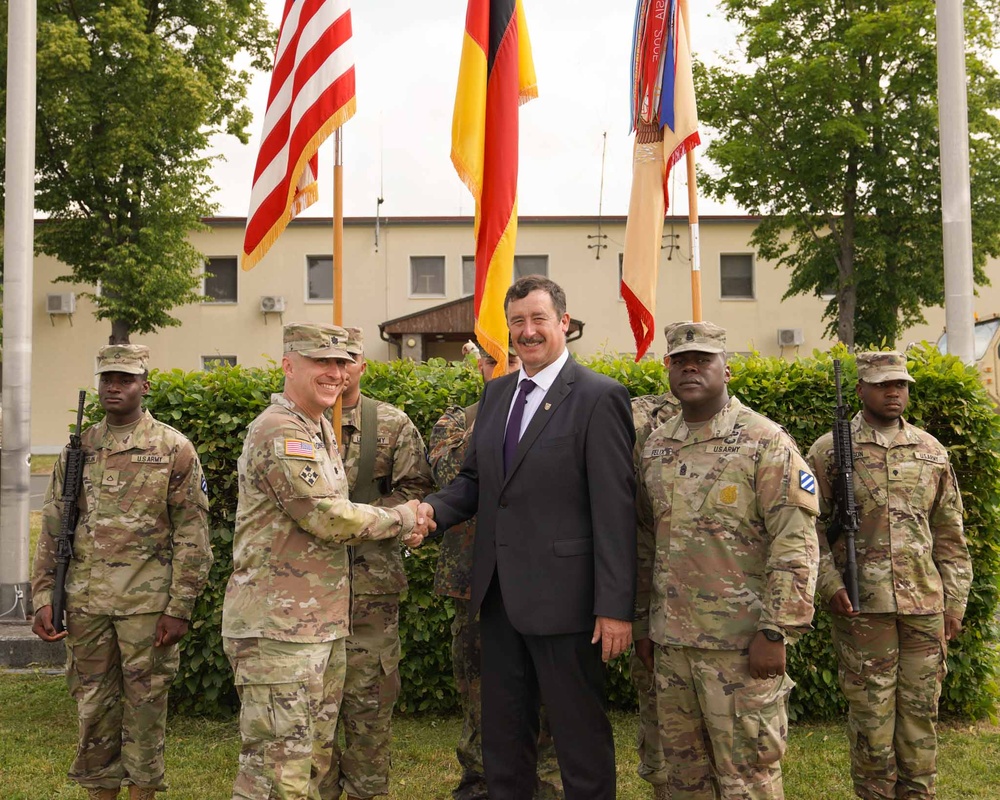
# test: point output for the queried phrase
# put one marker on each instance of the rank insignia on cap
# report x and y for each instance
(300, 448)
(690, 335)
(309, 475)
(807, 482)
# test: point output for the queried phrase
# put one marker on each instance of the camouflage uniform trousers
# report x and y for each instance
(465, 659)
(652, 761)
(891, 668)
(723, 732)
(371, 689)
(120, 682)
(290, 694)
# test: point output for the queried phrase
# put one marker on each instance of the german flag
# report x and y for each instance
(496, 75)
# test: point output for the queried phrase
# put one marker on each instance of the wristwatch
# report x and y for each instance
(773, 636)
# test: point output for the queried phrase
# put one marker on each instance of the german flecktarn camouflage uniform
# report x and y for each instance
(648, 413)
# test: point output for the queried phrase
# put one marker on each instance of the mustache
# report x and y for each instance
(530, 340)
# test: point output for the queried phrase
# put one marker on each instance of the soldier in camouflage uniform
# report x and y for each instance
(648, 413)
(732, 568)
(453, 578)
(914, 575)
(141, 556)
(287, 608)
(380, 441)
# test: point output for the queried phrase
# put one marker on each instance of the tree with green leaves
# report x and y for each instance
(130, 93)
(827, 125)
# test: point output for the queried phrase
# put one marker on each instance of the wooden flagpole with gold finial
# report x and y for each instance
(338, 254)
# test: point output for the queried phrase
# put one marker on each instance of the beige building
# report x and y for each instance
(416, 265)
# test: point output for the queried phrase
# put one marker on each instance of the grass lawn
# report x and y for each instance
(38, 731)
(42, 465)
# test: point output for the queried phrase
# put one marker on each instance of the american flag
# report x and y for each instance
(298, 447)
(311, 95)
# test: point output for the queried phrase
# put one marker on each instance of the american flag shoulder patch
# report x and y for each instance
(807, 482)
(299, 448)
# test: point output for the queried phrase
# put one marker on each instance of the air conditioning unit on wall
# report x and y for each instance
(272, 303)
(790, 337)
(60, 303)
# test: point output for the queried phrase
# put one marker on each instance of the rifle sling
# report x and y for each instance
(366, 488)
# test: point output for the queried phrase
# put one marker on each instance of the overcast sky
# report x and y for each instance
(397, 144)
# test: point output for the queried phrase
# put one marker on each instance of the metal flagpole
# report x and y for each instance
(19, 209)
(695, 242)
(338, 252)
(956, 204)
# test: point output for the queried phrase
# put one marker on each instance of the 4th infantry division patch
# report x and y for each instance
(309, 475)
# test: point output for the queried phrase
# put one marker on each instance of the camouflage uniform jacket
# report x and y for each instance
(141, 544)
(649, 412)
(293, 519)
(735, 547)
(403, 474)
(911, 550)
(449, 441)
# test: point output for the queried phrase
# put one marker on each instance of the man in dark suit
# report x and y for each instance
(549, 472)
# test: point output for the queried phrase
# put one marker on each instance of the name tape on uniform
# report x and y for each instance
(728, 448)
(149, 459)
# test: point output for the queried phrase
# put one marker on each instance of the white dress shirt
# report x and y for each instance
(543, 381)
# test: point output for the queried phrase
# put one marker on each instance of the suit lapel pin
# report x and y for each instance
(548, 406)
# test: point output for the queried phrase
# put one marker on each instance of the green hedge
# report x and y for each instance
(214, 408)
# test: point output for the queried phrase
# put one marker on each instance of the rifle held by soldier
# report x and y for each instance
(72, 481)
(845, 515)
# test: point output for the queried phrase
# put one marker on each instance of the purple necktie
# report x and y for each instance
(513, 434)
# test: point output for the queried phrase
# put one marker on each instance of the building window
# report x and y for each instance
(427, 276)
(208, 363)
(621, 274)
(523, 265)
(468, 275)
(736, 272)
(319, 278)
(530, 265)
(220, 280)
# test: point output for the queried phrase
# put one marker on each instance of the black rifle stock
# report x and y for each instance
(72, 481)
(845, 517)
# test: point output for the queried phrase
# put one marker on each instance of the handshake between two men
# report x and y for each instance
(424, 524)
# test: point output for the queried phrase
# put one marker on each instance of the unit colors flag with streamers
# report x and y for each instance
(496, 75)
(665, 120)
(311, 95)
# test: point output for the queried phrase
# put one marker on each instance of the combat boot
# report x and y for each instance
(93, 793)
(137, 793)
(661, 791)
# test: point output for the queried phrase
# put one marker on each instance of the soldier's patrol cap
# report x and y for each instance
(130, 358)
(315, 340)
(704, 337)
(882, 367)
(355, 341)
